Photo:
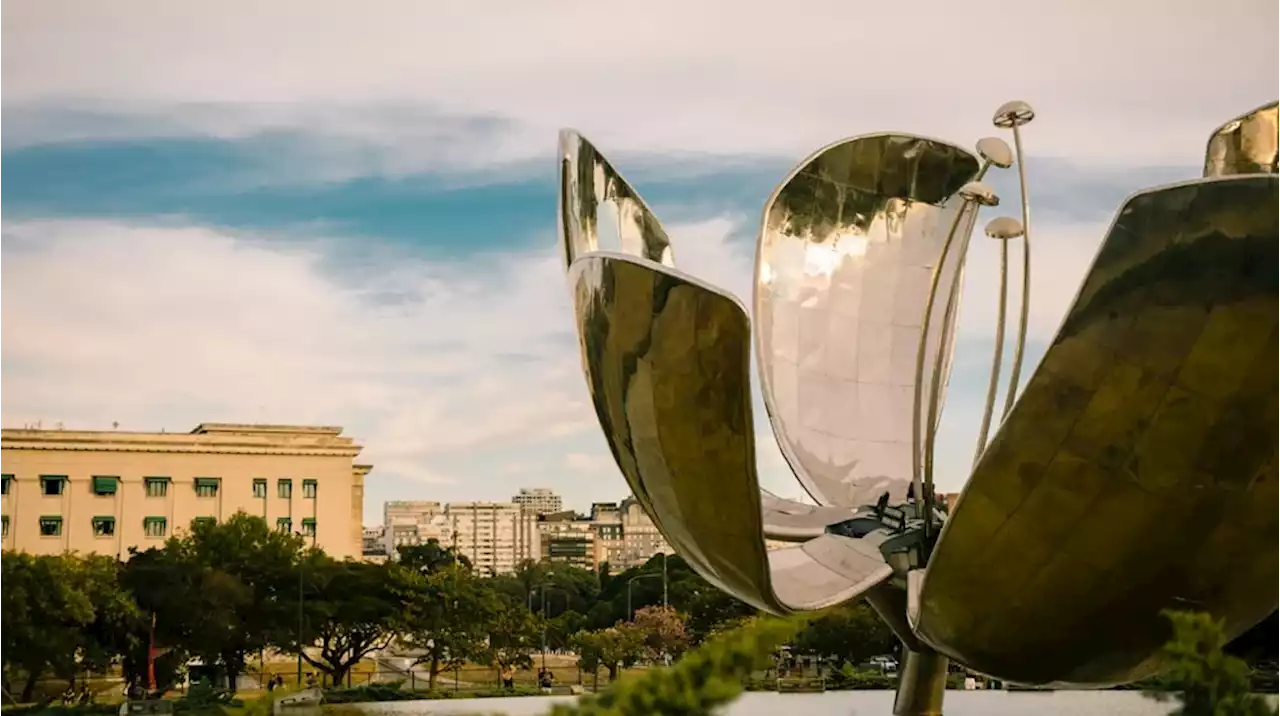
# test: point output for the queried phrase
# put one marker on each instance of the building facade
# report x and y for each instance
(641, 538)
(566, 539)
(537, 500)
(494, 536)
(109, 491)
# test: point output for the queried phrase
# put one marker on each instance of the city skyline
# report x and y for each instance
(339, 216)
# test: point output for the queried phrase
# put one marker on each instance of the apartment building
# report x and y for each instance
(566, 538)
(109, 491)
(640, 536)
(494, 536)
(537, 500)
(606, 523)
(373, 547)
(410, 522)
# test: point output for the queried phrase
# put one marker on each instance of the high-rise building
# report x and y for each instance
(566, 538)
(374, 545)
(410, 522)
(606, 523)
(538, 500)
(495, 536)
(108, 491)
(640, 537)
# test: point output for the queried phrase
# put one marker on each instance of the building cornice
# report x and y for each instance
(316, 444)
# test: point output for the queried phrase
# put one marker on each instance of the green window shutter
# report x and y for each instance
(260, 487)
(104, 526)
(309, 489)
(284, 524)
(207, 482)
(105, 485)
(308, 520)
(7, 480)
(50, 525)
(154, 526)
(202, 521)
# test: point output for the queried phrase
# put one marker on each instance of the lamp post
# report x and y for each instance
(634, 579)
(543, 589)
(302, 568)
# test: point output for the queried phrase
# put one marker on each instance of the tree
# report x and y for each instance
(429, 557)
(710, 609)
(351, 609)
(1207, 681)
(222, 590)
(513, 632)
(851, 633)
(618, 646)
(447, 616)
(663, 632)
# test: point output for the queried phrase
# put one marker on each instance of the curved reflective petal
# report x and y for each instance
(791, 521)
(1245, 145)
(667, 361)
(847, 248)
(1137, 471)
(589, 183)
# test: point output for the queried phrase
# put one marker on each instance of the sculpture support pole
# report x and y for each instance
(1016, 373)
(917, 439)
(922, 683)
(987, 409)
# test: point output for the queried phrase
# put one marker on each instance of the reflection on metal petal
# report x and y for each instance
(848, 245)
(588, 183)
(1137, 472)
(1245, 145)
(667, 363)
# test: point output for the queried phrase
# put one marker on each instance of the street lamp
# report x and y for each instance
(647, 576)
(529, 600)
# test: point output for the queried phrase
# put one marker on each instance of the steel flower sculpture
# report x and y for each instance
(1136, 470)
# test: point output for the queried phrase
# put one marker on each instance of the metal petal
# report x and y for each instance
(667, 363)
(1245, 145)
(1137, 472)
(588, 183)
(846, 251)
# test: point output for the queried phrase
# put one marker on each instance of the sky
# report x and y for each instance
(340, 213)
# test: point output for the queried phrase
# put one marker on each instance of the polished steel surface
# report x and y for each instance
(1137, 472)
(922, 683)
(974, 194)
(667, 363)
(1013, 115)
(1245, 145)
(588, 185)
(848, 244)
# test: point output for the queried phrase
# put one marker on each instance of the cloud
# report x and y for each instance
(591, 464)
(1118, 83)
(168, 326)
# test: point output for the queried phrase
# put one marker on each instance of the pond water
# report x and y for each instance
(833, 703)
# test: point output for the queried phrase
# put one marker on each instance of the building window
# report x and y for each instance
(154, 526)
(52, 485)
(104, 526)
(284, 488)
(284, 524)
(207, 486)
(104, 485)
(203, 522)
(6, 526)
(309, 527)
(260, 488)
(50, 526)
(157, 486)
(309, 489)
(7, 478)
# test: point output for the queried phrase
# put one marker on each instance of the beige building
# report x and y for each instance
(538, 500)
(108, 491)
(641, 538)
(610, 546)
(494, 536)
